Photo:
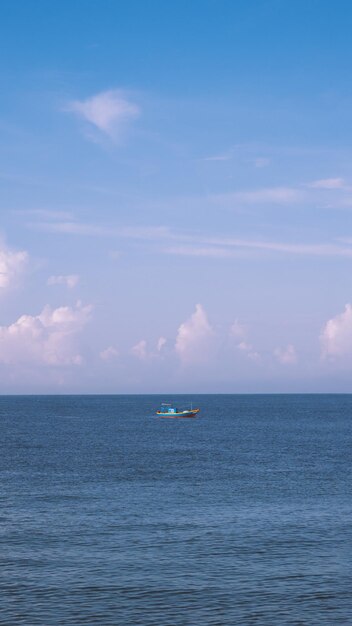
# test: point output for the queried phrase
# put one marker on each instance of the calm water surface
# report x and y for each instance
(110, 516)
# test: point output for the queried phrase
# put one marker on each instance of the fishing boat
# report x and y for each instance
(168, 410)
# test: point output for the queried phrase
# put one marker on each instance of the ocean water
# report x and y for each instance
(111, 516)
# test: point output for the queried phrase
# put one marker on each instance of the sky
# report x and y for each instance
(176, 196)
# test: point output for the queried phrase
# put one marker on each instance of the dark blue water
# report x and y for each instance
(110, 516)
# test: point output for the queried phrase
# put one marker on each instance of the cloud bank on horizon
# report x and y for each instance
(174, 220)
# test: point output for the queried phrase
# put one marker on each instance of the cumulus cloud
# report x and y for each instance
(12, 263)
(286, 356)
(108, 111)
(140, 350)
(336, 338)
(70, 280)
(47, 338)
(238, 332)
(109, 353)
(160, 344)
(248, 350)
(194, 338)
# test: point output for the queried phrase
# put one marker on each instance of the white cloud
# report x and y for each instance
(200, 251)
(223, 247)
(46, 214)
(109, 111)
(194, 337)
(218, 157)
(244, 346)
(140, 350)
(238, 330)
(336, 338)
(12, 263)
(73, 228)
(70, 280)
(286, 356)
(248, 350)
(109, 353)
(160, 344)
(47, 338)
(267, 195)
(328, 183)
(261, 162)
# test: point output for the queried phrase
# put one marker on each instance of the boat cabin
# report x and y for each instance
(168, 408)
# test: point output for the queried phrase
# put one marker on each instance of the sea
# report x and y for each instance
(111, 516)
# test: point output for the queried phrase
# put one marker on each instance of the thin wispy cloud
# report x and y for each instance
(180, 243)
(328, 183)
(261, 162)
(200, 251)
(70, 280)
(72, 228)
(109, 111)
(45, 214)
(227, 247)
(218, 157)
(98, 230)
(267, 195)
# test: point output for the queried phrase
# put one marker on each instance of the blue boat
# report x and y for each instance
(168, 410)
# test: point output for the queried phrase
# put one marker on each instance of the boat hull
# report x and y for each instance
(181, 414)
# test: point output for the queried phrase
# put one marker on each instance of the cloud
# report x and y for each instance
(200, 251)
(161, 344)
(146, 233)
(70, 280)
(108, 111)
(247, 348)
(218, 157)
(239, 332)
(12, 264)
(47, 214)
(286, 356)
(328, 183)
(47, 338)
(194, 338)
(267, 195)
(223, 247)
(109, 354)
(260, 162)
(140, 350)
(336, 338)
(72, 228)
(142, 353)
(195, 244)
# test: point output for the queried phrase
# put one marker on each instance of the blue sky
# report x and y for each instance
(176, 196)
